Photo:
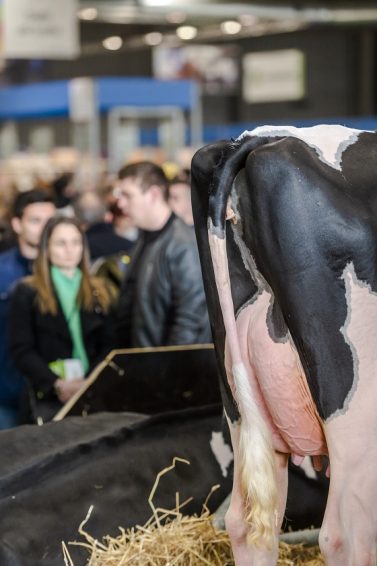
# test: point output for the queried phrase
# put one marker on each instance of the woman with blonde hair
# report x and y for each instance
(60, 321)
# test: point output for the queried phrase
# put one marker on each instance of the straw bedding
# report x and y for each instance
(170, 538)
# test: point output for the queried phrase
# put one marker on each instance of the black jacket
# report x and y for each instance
(162, 300)
(37, 339)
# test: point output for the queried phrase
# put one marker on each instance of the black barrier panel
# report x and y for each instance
(151, 381)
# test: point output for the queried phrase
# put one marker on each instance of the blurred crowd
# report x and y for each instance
(89, 267)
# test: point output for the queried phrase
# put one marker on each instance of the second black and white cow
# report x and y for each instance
(286, 221)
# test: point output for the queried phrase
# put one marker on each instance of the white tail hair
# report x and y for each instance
(257, 463)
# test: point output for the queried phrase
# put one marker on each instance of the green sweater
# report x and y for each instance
(67, 289)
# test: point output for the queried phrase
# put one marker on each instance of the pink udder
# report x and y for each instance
(279, 385)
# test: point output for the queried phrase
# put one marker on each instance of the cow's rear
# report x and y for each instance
(300, 281)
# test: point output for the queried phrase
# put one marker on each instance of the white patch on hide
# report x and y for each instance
(328, 140)
(307, 466)
(221, 451)
(359, 330)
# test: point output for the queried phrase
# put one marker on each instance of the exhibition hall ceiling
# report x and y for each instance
(139, 22)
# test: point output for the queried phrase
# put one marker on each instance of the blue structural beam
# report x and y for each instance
(34, 100)
(225, 131)
(48, 99)
(112, 92)
(52, 98)
(213, 133)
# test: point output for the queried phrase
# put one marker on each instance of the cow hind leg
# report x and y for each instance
(244, 553)
(348, 535)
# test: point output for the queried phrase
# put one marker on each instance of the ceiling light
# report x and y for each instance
(88, 14)
(186, 32)
(113, 43)
(231, 27)
(176, 17)
(153, 38)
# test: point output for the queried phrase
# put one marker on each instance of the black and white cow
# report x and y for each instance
(286, 221)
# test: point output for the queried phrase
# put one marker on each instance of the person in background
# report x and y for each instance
(8, 238)
(64, 191)
(180, 196)
(30, 212)
(161, 300)
(122, 223)
(96, 219)
(112, 269)
(60, 323)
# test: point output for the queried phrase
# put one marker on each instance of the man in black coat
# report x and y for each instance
(162, 299)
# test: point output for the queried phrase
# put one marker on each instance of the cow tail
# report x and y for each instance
(232, 160)
(257, 463)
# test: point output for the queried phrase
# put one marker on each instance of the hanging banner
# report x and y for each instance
(274, 76)
(42, 29)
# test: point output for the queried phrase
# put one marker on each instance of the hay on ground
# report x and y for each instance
(170, 538)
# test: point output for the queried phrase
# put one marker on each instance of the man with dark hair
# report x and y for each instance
(162, 300)
(30, 212)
